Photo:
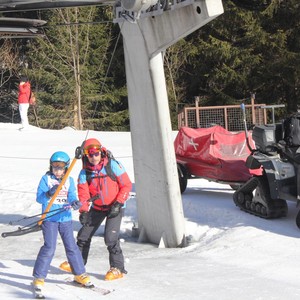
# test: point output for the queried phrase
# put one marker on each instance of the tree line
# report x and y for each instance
(77, 69)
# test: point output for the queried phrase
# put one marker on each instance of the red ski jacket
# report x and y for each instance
(94, 181)
(24, 92)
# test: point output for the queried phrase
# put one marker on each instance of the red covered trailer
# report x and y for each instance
(214, 154)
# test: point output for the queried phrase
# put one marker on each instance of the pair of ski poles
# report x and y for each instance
(34, 226)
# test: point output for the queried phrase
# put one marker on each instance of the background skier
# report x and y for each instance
(23, 100)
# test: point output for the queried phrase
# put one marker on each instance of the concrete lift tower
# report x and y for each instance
(149, 28)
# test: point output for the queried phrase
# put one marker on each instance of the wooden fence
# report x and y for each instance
(230, 116)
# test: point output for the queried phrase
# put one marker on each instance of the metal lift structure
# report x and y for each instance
(148, 28)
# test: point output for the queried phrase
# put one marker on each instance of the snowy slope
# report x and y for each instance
(232, 255)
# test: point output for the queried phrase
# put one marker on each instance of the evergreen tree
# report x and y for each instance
(252, 48)
(10, 53)
(78, 69)
(280, 68)
(70, 67)
(175, 59)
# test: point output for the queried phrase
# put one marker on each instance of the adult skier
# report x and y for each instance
(106, 180)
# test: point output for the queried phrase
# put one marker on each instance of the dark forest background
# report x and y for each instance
(77, 69)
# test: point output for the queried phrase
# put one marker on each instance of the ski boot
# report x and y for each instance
(65, 266)
(84, 280)
(38, 284)
(113, 273)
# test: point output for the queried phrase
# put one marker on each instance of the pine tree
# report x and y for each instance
(70, 66)
(9, 79)
(252, 48)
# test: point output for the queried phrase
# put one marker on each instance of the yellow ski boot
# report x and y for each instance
(113, 273)
(65, 266)
(38, 284)
(83, 279)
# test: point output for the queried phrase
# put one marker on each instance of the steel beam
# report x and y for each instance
(145, 38)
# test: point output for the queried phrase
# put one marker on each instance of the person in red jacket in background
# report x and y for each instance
(110, 186)
(23, 100)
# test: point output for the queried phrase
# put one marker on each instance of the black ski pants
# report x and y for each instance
(111, 237)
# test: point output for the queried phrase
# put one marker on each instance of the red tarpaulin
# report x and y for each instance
(214, 153)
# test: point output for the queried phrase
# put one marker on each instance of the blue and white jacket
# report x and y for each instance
(66, 196)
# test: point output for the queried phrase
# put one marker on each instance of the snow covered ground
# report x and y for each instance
(232, 255)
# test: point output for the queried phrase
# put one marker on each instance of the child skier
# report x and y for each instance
(58, 221)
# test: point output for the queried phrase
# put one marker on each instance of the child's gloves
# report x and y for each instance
(52, 191)
(76, 204)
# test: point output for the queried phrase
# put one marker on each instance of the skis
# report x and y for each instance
(101, 291)
(38, 293)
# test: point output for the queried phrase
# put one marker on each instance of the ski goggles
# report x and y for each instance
(92, 151)
(58, 165)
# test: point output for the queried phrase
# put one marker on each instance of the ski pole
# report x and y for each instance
(36, 227)
(32, 227)
(245, 126)
(30, 217)
(58, 211)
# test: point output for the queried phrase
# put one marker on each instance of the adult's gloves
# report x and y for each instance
(84, 218)
(114, 210)
(76, 204)
(52, 191)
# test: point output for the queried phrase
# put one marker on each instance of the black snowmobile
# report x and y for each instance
(277, 154)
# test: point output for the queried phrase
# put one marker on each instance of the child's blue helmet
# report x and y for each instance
(60, 156)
